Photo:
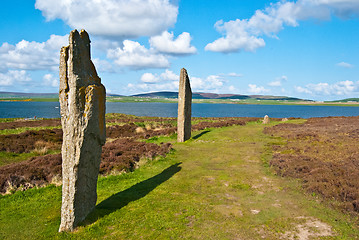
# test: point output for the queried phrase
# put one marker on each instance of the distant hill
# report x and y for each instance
(28, 95)
(201, 95)
(195, 95)
(346, 100)
(39, 95)
(113, 95)
(157, 95)
(161, 95)
(282, 98)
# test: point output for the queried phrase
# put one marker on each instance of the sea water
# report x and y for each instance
(52, 110)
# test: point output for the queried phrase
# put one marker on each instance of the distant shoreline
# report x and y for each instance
(197, 97)
(211, 101)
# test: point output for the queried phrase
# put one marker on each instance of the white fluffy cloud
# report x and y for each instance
(50, 80)
(341, 8)
(168, 75)
(104, 44)
(214, 81)
(123, 18)
(149, 78)
(148, 87)
(210, 83)
(300, 89)
(233, 74)
(27, 55)
(13, 77)
(340, 88)
(168, 81)
(345, 65)
(254, 89)
(232, 88)
(275, 83)
(165, 43)
(278, 81)
(246, 34)
(236, 37)
(103, 65)
(135, 56)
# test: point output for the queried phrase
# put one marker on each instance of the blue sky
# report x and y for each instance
(305, 48)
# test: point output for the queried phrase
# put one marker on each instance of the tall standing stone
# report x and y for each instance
(82, 102)
(184, 108)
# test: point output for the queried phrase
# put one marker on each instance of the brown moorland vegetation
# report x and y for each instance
(52, 138)
(30, 123)
(324, 153)
(122, 151)
(29, 140)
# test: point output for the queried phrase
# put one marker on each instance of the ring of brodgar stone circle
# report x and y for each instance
(82, 100)
(184, 108)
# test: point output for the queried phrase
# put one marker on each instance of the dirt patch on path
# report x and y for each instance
(309, 228)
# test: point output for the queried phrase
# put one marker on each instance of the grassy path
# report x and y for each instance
(215, 186)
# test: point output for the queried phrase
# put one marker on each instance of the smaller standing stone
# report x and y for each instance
(266, 119)
(184, 108)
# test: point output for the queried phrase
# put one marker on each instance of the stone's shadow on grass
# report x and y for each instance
(137, 191)
(200, 134)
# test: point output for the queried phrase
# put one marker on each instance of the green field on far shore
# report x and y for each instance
(214, 101)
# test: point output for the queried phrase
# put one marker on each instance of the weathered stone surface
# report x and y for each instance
(82, 101)
(266, 119)
(184, 108)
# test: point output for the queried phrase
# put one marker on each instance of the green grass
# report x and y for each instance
(29, 99)
(24, 129)
(119, 115)
(8, 119)
(139, 99)
(163, 139)
(45, 99)
(215, 186)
